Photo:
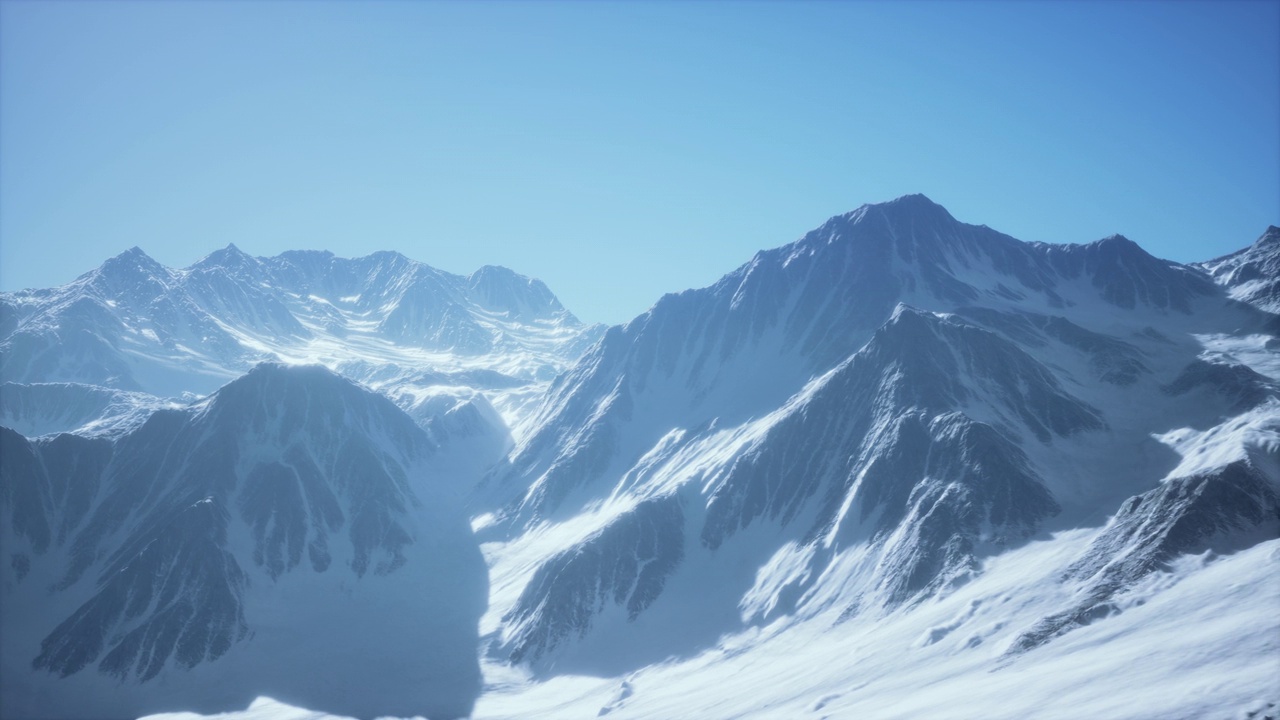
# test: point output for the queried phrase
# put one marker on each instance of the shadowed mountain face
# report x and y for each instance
(180, 562)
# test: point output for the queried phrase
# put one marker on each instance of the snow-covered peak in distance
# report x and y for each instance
(132, 261)
(132, 277)
(1252, 274)
(51, 408)
(228, 258)
(394, 323)
(501, 290)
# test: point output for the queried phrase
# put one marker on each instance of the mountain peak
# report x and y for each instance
(132, 262)
(915, 204)
(228, 257)
(308, 394)
(133, 255)
(497, 271)
(1118, 246)
(503, 290)
(277, 372)
(912, 200)
(389, 255)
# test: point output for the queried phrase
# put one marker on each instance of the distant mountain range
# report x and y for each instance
(901, 467)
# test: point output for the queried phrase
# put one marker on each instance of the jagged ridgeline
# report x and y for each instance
(855, 426)
(901, 451)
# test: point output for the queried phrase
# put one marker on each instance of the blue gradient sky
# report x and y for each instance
(619, 151)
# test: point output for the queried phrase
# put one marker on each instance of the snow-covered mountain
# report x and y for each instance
(52, 408)
(426, 338)
(289, 535)
(901, 467)
(1251, 274)
(857, 425)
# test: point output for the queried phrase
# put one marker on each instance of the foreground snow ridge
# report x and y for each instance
(901, 467)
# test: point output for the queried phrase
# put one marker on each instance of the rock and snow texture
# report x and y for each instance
(1252, 274)
(180, 551)
(859, 424)
(397, 325)
(288, 536)
(901, 467)
(52, 408)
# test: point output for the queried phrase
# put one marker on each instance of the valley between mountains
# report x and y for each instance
(901, 467)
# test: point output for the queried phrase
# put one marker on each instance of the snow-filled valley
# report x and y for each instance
(901, 467)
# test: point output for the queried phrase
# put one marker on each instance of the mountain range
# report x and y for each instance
(903, 466)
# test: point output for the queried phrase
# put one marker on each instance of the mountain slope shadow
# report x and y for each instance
(287, 537)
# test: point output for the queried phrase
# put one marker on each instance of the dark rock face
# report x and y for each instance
(177, 538)
(49, 487)
(1111, 360)
(1125, 275)
(273, 502)
(626, 564)
(883, 438)
(1239, 386)
(172, 592)
(1222, 510)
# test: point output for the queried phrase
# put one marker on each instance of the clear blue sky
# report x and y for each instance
(622, 150)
